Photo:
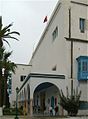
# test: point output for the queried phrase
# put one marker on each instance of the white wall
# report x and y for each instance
(50, 53)
(20, 70)
(58, 52)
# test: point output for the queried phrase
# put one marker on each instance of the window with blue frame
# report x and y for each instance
(82, 68)
(82, 25)
(79, 66)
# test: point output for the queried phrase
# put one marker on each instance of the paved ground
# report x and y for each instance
(26, 117)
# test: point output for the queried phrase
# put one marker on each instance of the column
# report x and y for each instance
(31, 107)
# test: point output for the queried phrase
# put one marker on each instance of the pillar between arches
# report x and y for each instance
(31, 107)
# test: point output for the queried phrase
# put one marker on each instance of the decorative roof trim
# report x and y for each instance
(24, 64)
(81, 57)
(46, 29)
(39, 75)
(79, 3)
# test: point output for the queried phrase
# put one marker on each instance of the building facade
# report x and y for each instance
(60, 56)
(16, 80)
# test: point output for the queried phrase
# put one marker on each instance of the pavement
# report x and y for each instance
(27, 117)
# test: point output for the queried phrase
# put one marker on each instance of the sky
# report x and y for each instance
(27, 17)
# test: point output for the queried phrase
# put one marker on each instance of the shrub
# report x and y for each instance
(12, 111)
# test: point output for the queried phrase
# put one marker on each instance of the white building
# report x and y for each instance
(60, 56)
(18, 78)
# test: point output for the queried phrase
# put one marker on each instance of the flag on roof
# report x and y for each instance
(45, 19)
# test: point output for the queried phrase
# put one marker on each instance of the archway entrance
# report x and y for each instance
(45, 96)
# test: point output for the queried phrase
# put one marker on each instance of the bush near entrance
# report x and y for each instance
(12, 111)
(70, 103)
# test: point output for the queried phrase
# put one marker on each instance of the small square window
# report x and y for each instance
(55, 33)
(22, 77)
(82, 25)
(54, 68)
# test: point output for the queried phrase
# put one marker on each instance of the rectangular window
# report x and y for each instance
(82, 25)
(55, 33)
(84, 66)
(54, 68)
(22, 77)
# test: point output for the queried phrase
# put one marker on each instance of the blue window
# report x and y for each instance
(82, 68)
(82, 25)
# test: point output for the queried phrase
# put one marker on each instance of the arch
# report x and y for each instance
(38, 84)
(55, 81)
(44, 96)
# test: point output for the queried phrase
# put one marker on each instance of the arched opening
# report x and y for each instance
(46, 95)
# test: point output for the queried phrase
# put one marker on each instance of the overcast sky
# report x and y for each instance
(27, 17)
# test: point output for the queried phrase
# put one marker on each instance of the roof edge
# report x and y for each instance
(48, 24)
(39, 75)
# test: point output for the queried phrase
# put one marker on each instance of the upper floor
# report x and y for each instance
(53, 52)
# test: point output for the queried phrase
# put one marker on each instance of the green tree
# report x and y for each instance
(8, 67)
(6, 33)
(1, 77)
(71, 102)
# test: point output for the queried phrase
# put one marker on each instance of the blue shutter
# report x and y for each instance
(82, 68)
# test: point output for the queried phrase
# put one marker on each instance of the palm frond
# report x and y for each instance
(6, 42)
(7, 55)
(13, 32)
(2, 49)
(5, 28)
(5, 33)
(11, 37)
(10, 66)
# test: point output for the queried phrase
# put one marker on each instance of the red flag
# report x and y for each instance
(45, 19)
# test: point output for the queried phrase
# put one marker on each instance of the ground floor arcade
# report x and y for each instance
(40, 93)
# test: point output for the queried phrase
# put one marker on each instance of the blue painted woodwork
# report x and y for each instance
(82, 67)
(83, 106)
(52, 102)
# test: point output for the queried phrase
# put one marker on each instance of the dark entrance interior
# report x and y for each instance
(40, 97)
